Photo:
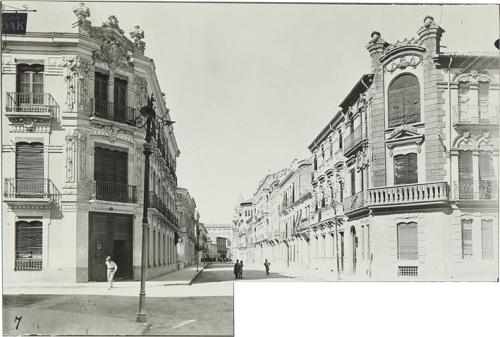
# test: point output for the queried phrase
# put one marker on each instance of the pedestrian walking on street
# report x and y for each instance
(266, 265)
(112, 268)
(241, 269)
(236, 269)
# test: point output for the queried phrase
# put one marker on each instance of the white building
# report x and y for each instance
(72, 156)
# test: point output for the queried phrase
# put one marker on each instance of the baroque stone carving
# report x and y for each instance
(112, 22)
(77, 72)
(82, 14)
(137, 34)
(404, 62)
(141, 90)
(114, 54)
(76, 157)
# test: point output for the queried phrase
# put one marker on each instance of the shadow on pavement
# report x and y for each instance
(223, 272)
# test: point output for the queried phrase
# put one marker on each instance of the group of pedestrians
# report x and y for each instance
(238, 269)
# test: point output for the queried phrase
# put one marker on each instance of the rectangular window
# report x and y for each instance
(29, 170)
(353, 181)
(28, 245)
(30, 83)
(487, 244)
(101, 95)
(340, 140)
(407, 241)
(120, 99)
(465, 175)
(405, 169)
(483, 97)
(466, 238)
(487, 178)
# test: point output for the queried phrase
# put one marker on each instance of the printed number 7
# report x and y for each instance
(18, 319)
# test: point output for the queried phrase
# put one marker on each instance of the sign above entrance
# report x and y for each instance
(14, 23)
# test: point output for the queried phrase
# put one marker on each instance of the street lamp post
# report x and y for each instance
(151, 122)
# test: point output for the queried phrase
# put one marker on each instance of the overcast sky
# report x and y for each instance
(250, 86)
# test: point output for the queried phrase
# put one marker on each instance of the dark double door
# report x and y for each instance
(110, 235)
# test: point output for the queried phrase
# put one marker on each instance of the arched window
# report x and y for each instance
(405, 169)
(404, 100)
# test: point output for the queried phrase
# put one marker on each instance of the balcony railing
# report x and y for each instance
(29, 102)
(408, 194)
(28, 264)
(476, 114)
(354, 201)
(350, 141)
(32, 188)
(114, 112)
(156, 202)
(476, 190)
(111, 191)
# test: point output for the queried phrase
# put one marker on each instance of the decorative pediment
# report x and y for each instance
(116, 50)
(404, 135)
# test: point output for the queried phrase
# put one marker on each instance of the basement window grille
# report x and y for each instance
(407, 271)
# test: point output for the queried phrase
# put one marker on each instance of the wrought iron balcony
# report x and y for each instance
(31, 189)
(352, 140)
(31, 104)
(110, 191)
(114, 112)
(408, 194)
(476, 114)
(475, 190)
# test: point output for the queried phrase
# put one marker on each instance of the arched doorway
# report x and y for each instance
(353, 240)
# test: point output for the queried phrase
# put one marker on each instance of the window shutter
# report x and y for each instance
(486, 171)
(121, 160)
(353, 182)
(120, 99)
(109, 166)
(487, 183)
(466, 238)
(405, 169)
(407, 241)
(29, 160)
(487, 239)
(29, 239)
(404, 100)
(483, 96)
(99, 155)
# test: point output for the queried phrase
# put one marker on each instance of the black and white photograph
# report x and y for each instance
(158, 155)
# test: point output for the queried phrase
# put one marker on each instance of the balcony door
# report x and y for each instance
(101, 95)
(111, 175)
(120, 100)
(405, 169)
(29, 170)
(29, 84)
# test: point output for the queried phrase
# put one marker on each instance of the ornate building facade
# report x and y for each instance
(405, 175)
(188, 219)
(72, 155)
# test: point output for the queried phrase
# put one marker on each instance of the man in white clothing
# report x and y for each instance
(112, 268)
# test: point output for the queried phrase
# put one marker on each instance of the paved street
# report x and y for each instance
(205, 307)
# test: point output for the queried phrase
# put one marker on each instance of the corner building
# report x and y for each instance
(72, 155)
(429, 208)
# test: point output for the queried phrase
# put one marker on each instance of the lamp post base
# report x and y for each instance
(141, 317)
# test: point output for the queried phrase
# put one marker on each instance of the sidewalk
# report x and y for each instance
(184, 276)
(313, 275)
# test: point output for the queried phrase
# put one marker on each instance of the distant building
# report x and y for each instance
(222, 247)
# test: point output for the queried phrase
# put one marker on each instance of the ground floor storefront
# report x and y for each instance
(71, 246)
